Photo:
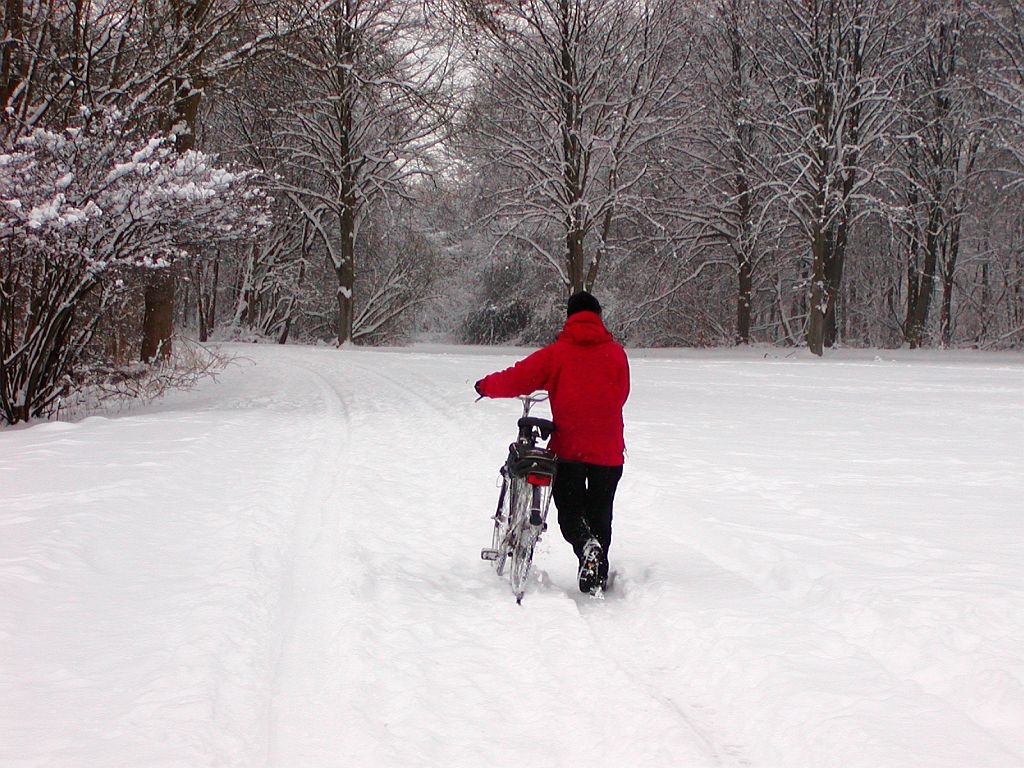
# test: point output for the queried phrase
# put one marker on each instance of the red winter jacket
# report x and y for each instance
(586, 373)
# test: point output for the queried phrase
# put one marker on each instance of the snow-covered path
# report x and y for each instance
(817, 565)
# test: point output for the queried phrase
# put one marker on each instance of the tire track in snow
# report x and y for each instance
(720, 755)
(327, 659)
(321, 480)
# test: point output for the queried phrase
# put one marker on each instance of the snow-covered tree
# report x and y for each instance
(154, 60)
(832, 66)
(573, 101)
(1004, 78)
(734, 158)
(367, 110)
(271, 273)
(781, 170)
(80, 209)
(940, 136)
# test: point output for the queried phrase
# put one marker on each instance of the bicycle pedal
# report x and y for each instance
(535, 518)
(489, 554)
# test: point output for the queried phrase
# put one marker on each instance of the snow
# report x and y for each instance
(817, 564)
(48, 211)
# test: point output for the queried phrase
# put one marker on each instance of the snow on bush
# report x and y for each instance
(79, 208)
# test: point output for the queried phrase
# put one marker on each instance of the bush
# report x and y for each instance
(80, 210)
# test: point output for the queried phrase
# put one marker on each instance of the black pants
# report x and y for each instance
(584, 494)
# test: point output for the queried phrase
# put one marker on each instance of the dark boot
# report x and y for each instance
(602, 570)
(589, 575)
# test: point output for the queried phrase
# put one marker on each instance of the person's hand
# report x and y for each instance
(478, 389)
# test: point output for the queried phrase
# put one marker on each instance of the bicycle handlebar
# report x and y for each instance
(531, 400)
(528, 400)
(534, 398)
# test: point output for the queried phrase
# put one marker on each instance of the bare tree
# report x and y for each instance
(940, 139)
(571, 97)
(1004, 76)
(269, 280)
(370, 108)
(152, 59)
(732, 200)
(833, 65)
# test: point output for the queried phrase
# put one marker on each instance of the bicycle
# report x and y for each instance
(524, 498)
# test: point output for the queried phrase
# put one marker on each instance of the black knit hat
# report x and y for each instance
(582, 302)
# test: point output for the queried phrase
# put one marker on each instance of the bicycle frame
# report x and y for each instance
(523, 501)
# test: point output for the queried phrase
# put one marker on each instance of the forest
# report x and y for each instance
(800, 173)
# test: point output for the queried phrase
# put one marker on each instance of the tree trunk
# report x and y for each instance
(744, 257)
(346, 274)
(913, 252)
(211, 303)
(345, 264)
(815, 335)
(984, 312)
(574, 259)
(201, 313)
(743, 304)
(834, 278)
(850, 159)
(11, 56)
(925, 283)
(158, 321)
(290, 311)
(742, 145)
(572, 157)
(949, 284)
(285, 329)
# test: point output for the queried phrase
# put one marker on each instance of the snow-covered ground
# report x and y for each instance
(818, 564)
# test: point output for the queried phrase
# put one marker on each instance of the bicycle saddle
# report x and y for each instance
(546, 427)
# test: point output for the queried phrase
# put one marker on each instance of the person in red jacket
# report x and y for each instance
(586, 374)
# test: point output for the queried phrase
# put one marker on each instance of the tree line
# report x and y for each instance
(801, 172)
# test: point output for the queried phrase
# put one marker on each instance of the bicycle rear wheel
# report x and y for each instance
(522, 559)
(525, 536)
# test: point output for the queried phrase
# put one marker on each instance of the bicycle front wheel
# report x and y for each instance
(502, 523)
